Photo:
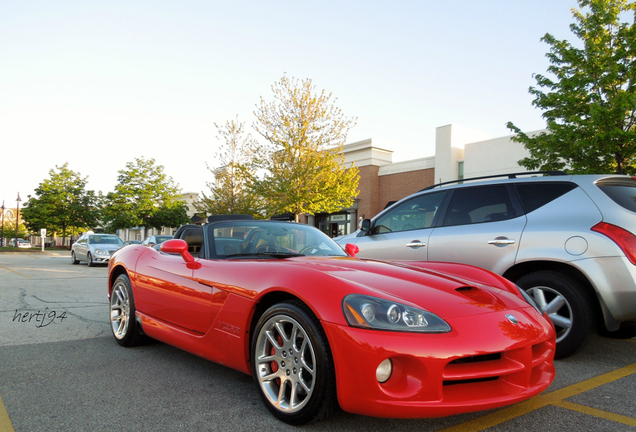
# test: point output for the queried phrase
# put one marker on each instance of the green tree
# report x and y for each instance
(62, 204)
(589, 99)
(302, 157)
(231, 191)
(144, 197)
(9, 230)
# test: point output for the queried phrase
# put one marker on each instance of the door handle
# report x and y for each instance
(415, 244)
(501, 241)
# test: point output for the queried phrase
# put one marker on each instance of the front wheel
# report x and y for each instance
(292, 364)
(568, 304)
(89, 259)
(122, 313)
(73, 258)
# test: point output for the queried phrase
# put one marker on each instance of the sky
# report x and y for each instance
(96, 84)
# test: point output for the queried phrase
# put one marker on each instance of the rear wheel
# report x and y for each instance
(292, 364)
(569, 306)
(122, 313)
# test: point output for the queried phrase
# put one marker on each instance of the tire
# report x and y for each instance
(569, 306)
(290, 351)
(122, 314)
(73, 259)
(89, 259)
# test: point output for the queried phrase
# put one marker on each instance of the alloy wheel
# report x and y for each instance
(120, 310)
(556, 307)
(285, 363)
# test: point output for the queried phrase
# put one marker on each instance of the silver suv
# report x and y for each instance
(566, 239)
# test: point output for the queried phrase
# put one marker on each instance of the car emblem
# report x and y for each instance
(512, 318)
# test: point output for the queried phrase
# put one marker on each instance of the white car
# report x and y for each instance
(95, 248)
(21, 243)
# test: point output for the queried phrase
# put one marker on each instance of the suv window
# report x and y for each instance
(479, 204)
(416, 213)
(535, 195)
(621, 191)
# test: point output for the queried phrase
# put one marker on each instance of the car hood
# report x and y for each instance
(445, 294)
(343, 240)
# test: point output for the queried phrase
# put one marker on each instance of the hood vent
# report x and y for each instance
(481, 297)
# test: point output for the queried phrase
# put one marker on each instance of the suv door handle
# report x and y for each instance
(415, 244)
(501, 241)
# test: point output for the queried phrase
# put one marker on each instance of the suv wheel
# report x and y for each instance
(568, 304)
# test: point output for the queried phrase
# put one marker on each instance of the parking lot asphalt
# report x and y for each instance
(60, 369)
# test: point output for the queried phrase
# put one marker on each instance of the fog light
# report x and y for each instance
(384, 371)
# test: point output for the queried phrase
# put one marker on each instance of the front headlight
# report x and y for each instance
(379, 314)
(530, 300)
(101, 252)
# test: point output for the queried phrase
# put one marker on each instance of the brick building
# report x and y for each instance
(459, 153)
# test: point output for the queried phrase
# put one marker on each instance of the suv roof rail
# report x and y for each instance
(510, 176)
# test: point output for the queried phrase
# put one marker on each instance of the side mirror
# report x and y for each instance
(177, 246)
(365, 225)
(351, 250)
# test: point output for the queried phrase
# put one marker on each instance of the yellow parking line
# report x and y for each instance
(597, 413)
(13, 271)
(552, 398)
(5, 423)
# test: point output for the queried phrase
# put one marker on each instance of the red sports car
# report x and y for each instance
(318, 328)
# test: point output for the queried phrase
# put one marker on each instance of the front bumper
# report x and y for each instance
(102, 258)
(485, 362)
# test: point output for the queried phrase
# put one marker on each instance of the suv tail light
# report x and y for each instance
(623, 238)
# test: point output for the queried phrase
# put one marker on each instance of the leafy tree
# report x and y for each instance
(230, 192)
(62, 204)
(9, 230)
(589, 99)
(144, 197)
(302, 156)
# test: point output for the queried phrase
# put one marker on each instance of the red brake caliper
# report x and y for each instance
(274, 364)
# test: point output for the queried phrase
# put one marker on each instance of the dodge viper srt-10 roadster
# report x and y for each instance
(317, 327)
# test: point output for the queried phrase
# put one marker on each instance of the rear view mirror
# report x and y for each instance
(177, 246)
(365, 225)
(351, 250)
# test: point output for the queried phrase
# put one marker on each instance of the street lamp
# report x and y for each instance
(2, 235)
(17, 219)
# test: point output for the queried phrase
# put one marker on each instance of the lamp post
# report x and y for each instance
(2, 235)
(17, 219)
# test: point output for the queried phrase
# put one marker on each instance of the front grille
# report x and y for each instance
(477, 358)
(493, 374)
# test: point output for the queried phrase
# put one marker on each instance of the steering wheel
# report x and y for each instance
(310, 250)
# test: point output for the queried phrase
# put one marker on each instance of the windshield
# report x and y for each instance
(280, 239)
(104, 239)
